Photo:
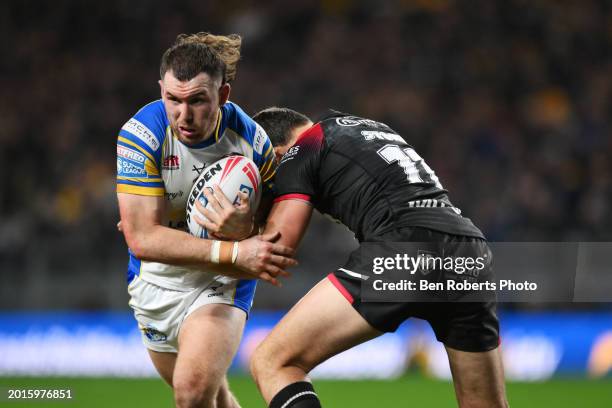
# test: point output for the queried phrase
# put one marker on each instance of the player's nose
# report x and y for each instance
(184, 113)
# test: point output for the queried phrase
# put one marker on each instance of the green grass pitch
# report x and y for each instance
(409, 391)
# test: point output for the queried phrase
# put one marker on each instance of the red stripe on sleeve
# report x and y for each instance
(303, 197)
(340, 287)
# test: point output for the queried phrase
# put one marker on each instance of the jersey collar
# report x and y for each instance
(330, 113)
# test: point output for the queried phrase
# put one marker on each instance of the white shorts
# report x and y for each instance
(160, 312)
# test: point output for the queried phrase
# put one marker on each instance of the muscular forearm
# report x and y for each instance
(257, 257)
(170, 246)
(166, 245)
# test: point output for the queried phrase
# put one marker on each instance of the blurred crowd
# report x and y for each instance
(509, 102)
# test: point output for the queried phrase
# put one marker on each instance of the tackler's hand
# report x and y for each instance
(264, 258)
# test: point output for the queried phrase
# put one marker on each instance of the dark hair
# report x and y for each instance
(187, 60)
(227, 48)
(279, 122)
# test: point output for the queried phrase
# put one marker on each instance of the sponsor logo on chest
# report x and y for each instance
(171, 163)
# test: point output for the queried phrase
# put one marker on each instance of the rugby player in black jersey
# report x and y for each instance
(365, 175)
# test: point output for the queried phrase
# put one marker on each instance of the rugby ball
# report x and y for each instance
(233, 174)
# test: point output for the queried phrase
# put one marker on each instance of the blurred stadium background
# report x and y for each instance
(509, 101)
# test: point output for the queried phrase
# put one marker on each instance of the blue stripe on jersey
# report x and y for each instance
(133, 268)
(142, 183)
(245, 292)
(153, 117)
(241, 123)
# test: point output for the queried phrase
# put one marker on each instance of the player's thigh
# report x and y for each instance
(208, 340)
(478, 377)
(323, 323)
(164, 364)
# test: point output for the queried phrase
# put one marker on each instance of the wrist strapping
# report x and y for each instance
(223, 252)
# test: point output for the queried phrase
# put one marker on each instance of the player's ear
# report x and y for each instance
(279, 152)
(224, 93)
(161, 87)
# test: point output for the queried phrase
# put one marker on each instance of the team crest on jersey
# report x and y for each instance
(171, 163)
(153, 334)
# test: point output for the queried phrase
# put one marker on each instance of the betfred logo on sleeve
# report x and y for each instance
(133, 155)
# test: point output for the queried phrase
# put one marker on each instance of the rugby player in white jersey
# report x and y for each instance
(191, 310)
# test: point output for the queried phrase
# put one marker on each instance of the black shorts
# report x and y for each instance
(462, 325)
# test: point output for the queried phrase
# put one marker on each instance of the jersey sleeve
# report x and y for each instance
(139, 149)
(257, 138)
(297, 172)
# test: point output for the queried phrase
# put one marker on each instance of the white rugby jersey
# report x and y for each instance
(152, 161)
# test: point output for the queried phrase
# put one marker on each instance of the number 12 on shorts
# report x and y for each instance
(414, 166)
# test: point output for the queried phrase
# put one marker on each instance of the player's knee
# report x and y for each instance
(193, 392)
(261, 362)
(267, 361)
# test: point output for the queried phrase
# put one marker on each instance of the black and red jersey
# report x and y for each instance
(366, 176)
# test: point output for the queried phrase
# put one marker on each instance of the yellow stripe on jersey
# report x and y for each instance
(268, 150)
(171, 132)
(141, 190)
(140, 149)
(151, 168)
(265, 167)
(268, 169)
(141, 180)
(270, 176)
(219, 117)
